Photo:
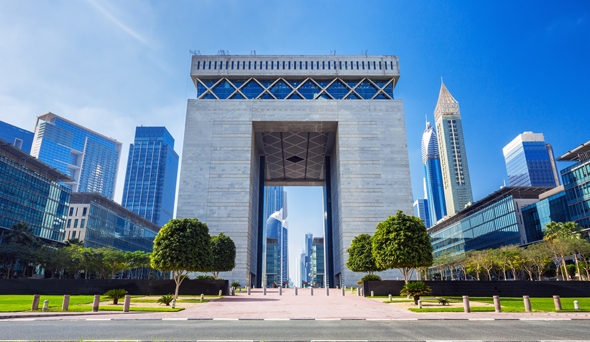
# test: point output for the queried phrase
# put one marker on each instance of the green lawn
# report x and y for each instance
(178, 301)
(15, 303)
(516, 304)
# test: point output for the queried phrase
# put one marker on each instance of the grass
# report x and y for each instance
(409, 301)
(120, 308)
(15, 303)
(516, 304)
(178, 301)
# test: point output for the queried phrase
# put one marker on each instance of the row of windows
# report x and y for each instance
(297, 65)
(82, 221)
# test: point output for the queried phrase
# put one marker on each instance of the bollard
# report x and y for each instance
(280, 291)
(96, 303)
(248, 289)
(264, 291)
(527, 303)
(233, 291)
(497, 306)
(576, 305)
(327, 291)
(35, 305)
(66, 303)
(296, 290)
(202, 297)
(390, 298)
(419, 304)
(127, 303)
(466, 304)
(220, 292)
(358, 292)
(45, 305)
(557, 302)
(174, 304)
(343, 291)
(371, 294)
(311, 290)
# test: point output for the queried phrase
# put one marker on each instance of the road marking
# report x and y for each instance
(225, 319)
(22, 319)
(175, 319)
(378, 319)
(277, 319)
(328, 319)
(482, 319)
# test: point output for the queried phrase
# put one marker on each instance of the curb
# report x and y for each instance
(296, 319)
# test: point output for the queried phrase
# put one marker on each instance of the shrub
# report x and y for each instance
(415, 289)
(116, 294)
(443, 301)
(572, 270)
(549, 272)
(369, 277)
(205, 277)
(235, 284)
(166, 299)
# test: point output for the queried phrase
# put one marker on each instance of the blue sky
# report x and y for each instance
(514, 66)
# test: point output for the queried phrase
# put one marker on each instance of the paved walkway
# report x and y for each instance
(303, 306)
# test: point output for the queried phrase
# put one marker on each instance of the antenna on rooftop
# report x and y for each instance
(223, 52)
(253, 52)
(332, 52)
(195, 52)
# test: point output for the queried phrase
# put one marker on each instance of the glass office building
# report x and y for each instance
(421, 210)
(31, 193)
(89, 158)
(273, 262)
(492, 222)
(150, 180)
(552, 206)
(277, 227)
(576, 182)
(101, 222)
(530, 161)
(18, 137)
(434, 189)
(318, 271)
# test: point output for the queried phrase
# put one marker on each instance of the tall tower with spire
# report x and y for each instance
(433, 183)
(453, 156)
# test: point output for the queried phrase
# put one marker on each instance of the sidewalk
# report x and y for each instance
(303, 306)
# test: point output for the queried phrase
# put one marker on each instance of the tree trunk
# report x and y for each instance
(150, 273)
(504, 270)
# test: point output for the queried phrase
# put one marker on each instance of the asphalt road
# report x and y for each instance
(295, 330)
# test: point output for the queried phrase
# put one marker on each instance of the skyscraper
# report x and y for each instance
(530, 161)
(277, 225)
(421, 207)
(18, 137)
(90, 158)
(150, 179)
(433, 176)
(453, 156)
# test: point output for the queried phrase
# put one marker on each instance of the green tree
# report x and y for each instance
(224, 254)
(115, 260)
(402, 242)
(182, 246)
(441, 263)
(535, 258)
(560, 237)
(360, 255)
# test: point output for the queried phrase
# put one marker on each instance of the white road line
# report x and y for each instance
(225, 319)
(277, 319)
(175, 319)
(22, 319)
(481, 319)
(328, 319)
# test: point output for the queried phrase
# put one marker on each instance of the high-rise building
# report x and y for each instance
(434, 191)
(90, 158)
(576, 182)
(31, 193)
(277, 225)
(421, 208)
(453, 155)
(21, 138)
(318, 272)
(150, 180)
(552, 207)
(530, 161)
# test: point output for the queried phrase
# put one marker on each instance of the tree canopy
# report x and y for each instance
(402, 242)
(224, 254)
(182, 246)
(360, 255)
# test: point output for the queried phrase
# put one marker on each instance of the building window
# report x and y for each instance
(209, 65)
(284, 65)
(391, 65)
(266, 65)
(82, 223)
(76, 223)
(385, 65)
(305, 65)
(317, 65)
(289, 65)
(84, 211)
(324, 65)
(73, 234)
(244, 65)
(249, 65)
(357, 65)
(340, 65)
(368, 65)
(69, 223)
(300, 65)
(198, 65)
(379, 65)
(363, 65)
(311, 65)
(374, 67)
(215, 65)
(71, 211)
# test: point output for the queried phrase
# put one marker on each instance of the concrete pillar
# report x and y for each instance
(280, 291)
(497, 306)
(327, 291)
(248, 289)
(296, 290)
(96, 303)
(127, 303)
(35, 305)
(371, 294)
(220, 292)
(390, 298)
(66, 303)
(311, 290)
(45, 305)
(358, 291)
(527, 303)
(202, 297)
(557, 302)
(233, 291)
(264, 291)
(343, 290)
(466, 304)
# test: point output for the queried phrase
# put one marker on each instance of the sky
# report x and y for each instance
(514, 66)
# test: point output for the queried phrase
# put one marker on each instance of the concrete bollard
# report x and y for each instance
(497, 306)
(296, 290)
(466, 304)
(390, 298)
(280, 291)
(174, 304)
(96, 303)
(557, 302)
(419, 304)
(66, 303)
(220, 293)
(233, 291)
(327, 291)
(248, 289)
(35, 305)
(127, 303)
(343, 291)
(371, 294)
(576, 305)
(45, 305)
(264, 291)
(311, 291)
(527, 303)
(202, 297)
(358, 292)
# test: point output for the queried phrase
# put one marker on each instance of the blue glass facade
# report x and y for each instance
(150, 179)
(31, 194)
(530, 163)
(91, 159)
(421, 210)
(273, 262)
(576, 182)
(537, 216)
(437, 208)
(18, 137)
(276, 228)
(318, 269)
